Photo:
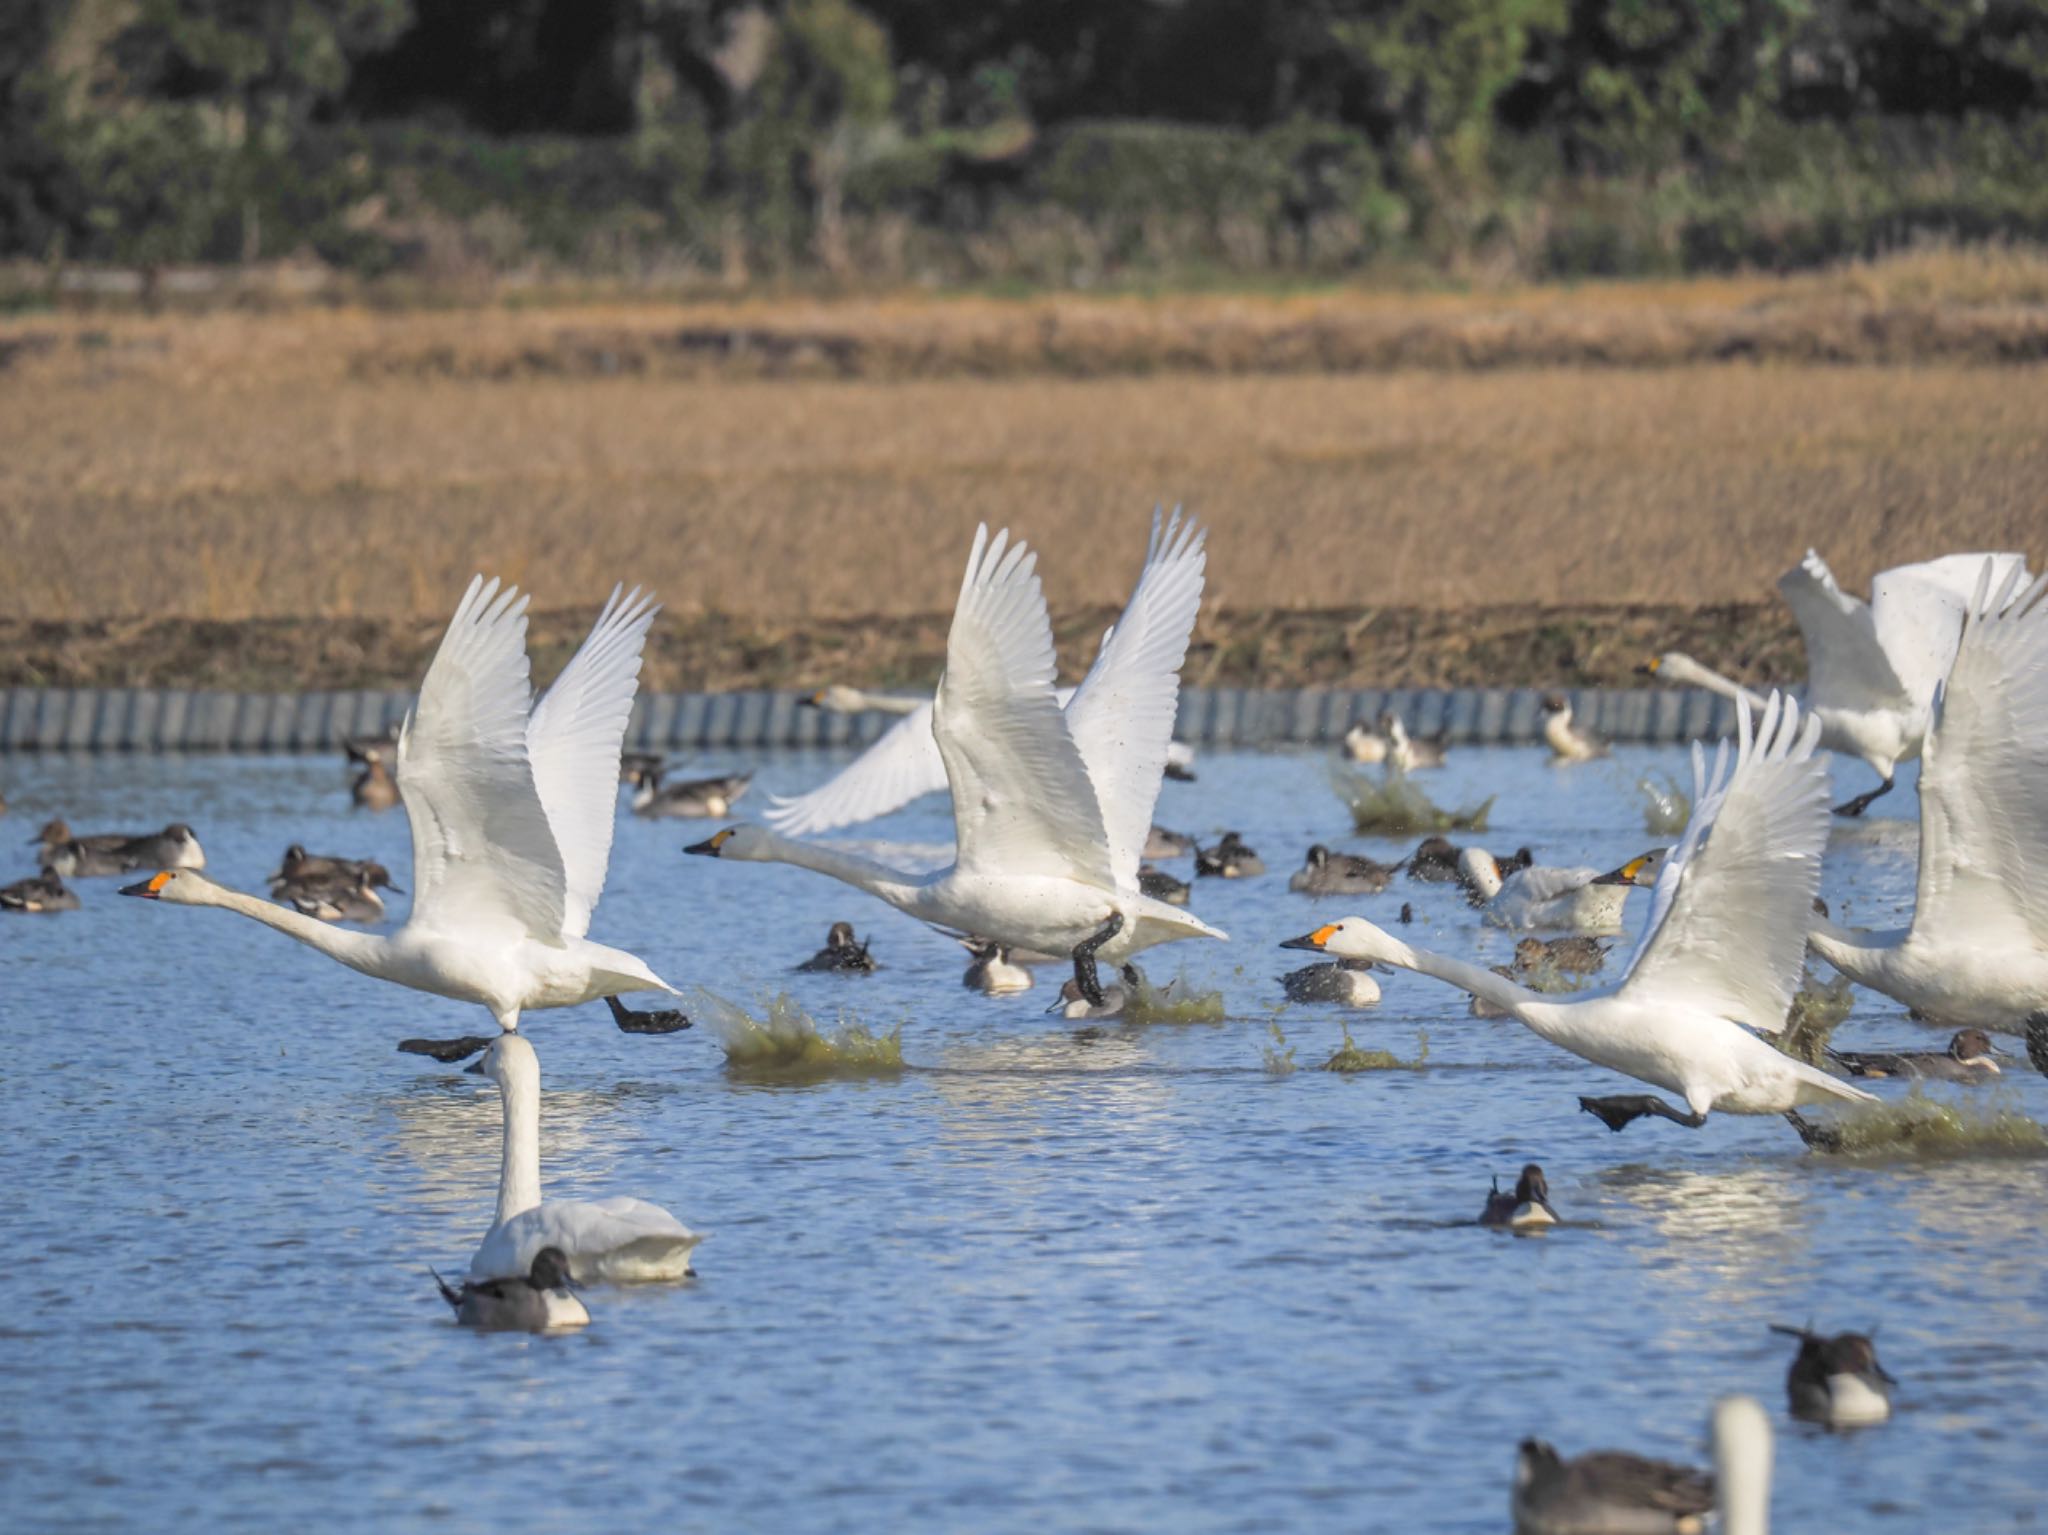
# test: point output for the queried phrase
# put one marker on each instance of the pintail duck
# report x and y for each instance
(1970, 1057)
(1837, 1380)
(374, 788)
(1230, 858)
(298, 864)
(1529, 1205)
(1434, 861)
(333, 898)
(1406, 753)
(992, 970)
(1115, 997)
(1161, 843)
(38, 893)
(1568, 742)
(843, 954)
(1611, 1492)
(1161, 886)
(537, 1301)
(1568, 956)
(175, 847)
(1346, 981)
(693, 798)
(1365, 744)
(1328, 873)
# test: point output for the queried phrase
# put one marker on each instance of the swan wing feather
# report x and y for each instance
(1122, 715)
(483, 852)
(1733, 904)
(573, 742)
(903, 764)
(584, 1229)
(1846, 667)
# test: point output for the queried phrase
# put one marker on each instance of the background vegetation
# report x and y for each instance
(1063, 142)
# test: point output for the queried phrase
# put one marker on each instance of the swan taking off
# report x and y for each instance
(1871, 668)
(1724, 946)
(1580, 900)
(1051, 806)
(511, 806)
(1977, 952)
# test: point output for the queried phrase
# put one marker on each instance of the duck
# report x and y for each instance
(39, 894)
(1116, 997)
(1976, 952)
(1230, 858)
(1161, 886)
(1366, 744)
(1051, 806)
(1434, 861)
(336, 898)
(57, 832)
(511, 804)
(360, 749)
(1405, 752)
(1568, 742)
(298, 866)
(1349, 982)
(1328, 873)
(1612, 1492)
(537, 1301)
(374, 788)
(633, 766)
(993, 971)
(843, 954)
(1567, 956)
(619, 1240)
(1580, 900)
(1837, 1380)
(695, 798)
(1161, 843)
(1480, 1007)
(1871, 668)
(175, 847)
(1529, 1205)
(1970, 1057)
(1725, 947)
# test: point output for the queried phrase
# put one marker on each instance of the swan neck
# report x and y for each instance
(1742, 1469)
(892, 885)
(1684, 668)
(1476, 979)
(357, 950)
(519, 1163)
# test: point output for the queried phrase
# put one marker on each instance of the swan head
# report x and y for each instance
(1352, 938)
(510, 1058)
(1643, 869)
(836, 699)
(743, 842)
(179, 887)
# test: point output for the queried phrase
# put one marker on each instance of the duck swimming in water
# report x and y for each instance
(1161, 886)
(1348, 982)
(1565, 956)
(1161, 843)
(1837, 1380)
(38, 894)
(1328, 873)
(1365, 744)
(1230, 858)
(992, 970)
(693, 798)
(1611, 1492)
(843, 954)
(1970, 1057)
(1568, 742)
(537, 1301)
(1405, 753)
(374, 788)
(175, 847)
(1529, 1205)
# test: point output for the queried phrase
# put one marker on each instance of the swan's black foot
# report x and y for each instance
(2037, 1040)
(1622, 1110)
(1863, 802)
(1084, 958)
(1818, 1137)
(447, 1051)
(656, 1020)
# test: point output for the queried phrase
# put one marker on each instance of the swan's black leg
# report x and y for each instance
(1862, 802)
(1621, 1110)
(447, 1051)
(1084, 958)
(1818, 1137)
(657, 1020)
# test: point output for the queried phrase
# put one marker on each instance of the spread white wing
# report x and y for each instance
(1984, 779)
(1729, 918)
(483, 854)
(1918, 613)
(1022, 800)
(1846, 667)
(903, 764)
(573, 743)
(1122, 715)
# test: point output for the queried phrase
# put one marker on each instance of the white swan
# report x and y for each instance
(511, 804)
(1977, 950)
(619, 1240)
(1051, 807)
(903, 764)
(1871, 668)
(1724, 946)
(1577, 900)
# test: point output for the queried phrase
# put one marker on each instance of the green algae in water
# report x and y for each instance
(1919, 1126)
(1350, 1058)
(1279, 1054)
(1394, 806)
(1175, 1002)
(1817, 1009)
(1666, 805)
(787, 1042)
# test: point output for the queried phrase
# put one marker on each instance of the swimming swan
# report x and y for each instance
(1051, 806)
(620, 1240)
(1871, 668)
(1976, 954)
(511, 804)
(1725, 942)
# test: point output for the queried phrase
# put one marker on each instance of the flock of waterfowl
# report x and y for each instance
(512, 803)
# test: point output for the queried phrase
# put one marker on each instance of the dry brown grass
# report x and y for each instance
(342, 462)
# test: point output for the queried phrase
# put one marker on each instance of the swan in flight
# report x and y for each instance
(1051, 806)
(903, 765)
(1871, 668)
(511, 804)
(1724, 947)
(1580, 900)
(1976, 954)
(619, 1240)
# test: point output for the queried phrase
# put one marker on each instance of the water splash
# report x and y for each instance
(1817, 1008)
(1349, 1057)
(1280, 1054)
(787, 1042)
(1920, 1126)
(1395, 807)
(1175, 1002)
(1666, 805)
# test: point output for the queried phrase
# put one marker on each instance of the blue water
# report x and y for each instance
(1047, 1277)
